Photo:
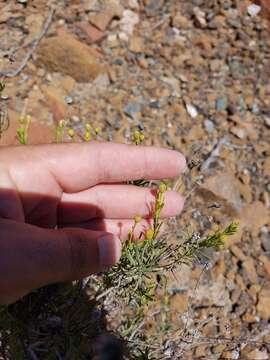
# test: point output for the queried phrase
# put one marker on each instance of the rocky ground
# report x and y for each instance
(194, 76)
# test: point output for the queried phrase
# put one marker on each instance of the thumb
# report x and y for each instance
(31, 257)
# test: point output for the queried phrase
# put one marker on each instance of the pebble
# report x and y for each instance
(221, 103)
(192, 111)
(69, 100)
(155, 104)
(253, 10)
(132, 109)
(75, 119)
(239, 132)
(209, 126)
(267, 121)
(4, 97)
(128, 21)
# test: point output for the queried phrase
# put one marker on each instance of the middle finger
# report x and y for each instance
(115, 202)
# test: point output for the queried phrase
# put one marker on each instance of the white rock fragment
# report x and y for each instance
(253, 10)
(267, 121)
(128, 21)
(112, 40)
(199, 17)
(192, 111)
(133, 4)
(123, 36)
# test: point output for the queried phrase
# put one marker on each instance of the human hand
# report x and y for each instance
(63, 208)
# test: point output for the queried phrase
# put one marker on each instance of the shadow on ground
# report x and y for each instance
(57, 322)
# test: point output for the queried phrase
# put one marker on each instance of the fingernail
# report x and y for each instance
(182, 163)
(109, 250)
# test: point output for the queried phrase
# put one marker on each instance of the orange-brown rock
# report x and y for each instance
(65, 54)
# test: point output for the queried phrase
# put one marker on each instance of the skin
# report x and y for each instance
(64, 208)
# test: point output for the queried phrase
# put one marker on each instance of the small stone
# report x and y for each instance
(136, 44)
(239, 132)
(118, 61)
(91, 33)
(209, 126)
(75, 119)
(199, 17)
(253, 10)
(69, 100)
(267, 122)
(132, 109)
(143, 63)
(192, 111)
(112, 40)
(180, 22)
(123, 36)
(263, 306)
(255, 109)
(101, 20)
(221, 103)
(128, 21)
(4, 97)
(155, 104)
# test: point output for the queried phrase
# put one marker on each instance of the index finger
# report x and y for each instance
(78, 166)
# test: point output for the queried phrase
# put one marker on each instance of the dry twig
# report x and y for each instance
(11, 74)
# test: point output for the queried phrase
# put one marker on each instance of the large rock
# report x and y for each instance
(254, 216)
(65, 54)
(38, 133)
(222, 188)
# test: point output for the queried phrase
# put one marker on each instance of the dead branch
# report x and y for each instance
(11, 74)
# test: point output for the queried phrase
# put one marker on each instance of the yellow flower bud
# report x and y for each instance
(87, 127)
(136, 135)
(62, 124)
(21, 120)
(87, 136)
(149, 234)
(97, 130)
(162, 188)
(137, 219)
(71, 133)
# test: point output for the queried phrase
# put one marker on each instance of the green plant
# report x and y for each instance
(131, 285)
(90, 131)
(2, 87)
(59, 131)
(145, 264)
(22, 131)
(4, 120)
